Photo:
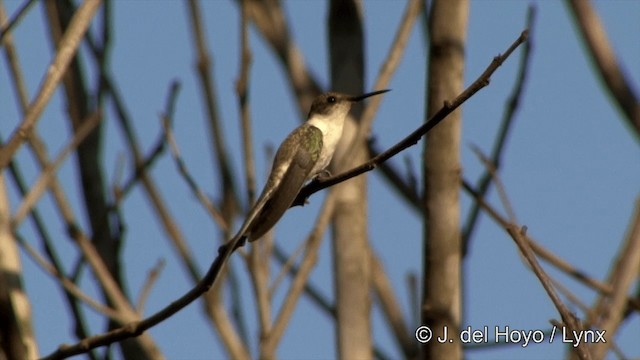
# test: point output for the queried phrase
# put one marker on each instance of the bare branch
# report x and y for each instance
(392, 310)
(10, 24)
(412, 11)
(152, 276)
(121, 191)
(492, 170)
(311, 254)
(190, 180)
(508, 118)
(47, 173)
(203, 64)
(269, 19)
(569, 319)
(69, 285)
(242, 86)
(547, 255)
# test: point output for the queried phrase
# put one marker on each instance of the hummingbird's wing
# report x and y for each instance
(293, 163)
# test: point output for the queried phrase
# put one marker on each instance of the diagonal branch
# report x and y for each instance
(605, 61)
(268, 17)
(47, 174)
(507, 121)
(415, 136)
(569, 319)
(549, 256)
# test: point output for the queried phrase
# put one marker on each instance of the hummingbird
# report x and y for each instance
(303, 155)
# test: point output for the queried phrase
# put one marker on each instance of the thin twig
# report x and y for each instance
(269, 18)
(111, 288)
(47, 174)
(297, 286)
(402, 186)
(322, 301)
(391, 309)
(190, 180)
(392, 61)
(203, 64)
(152, 276)
(547, 255)
(10, 24)
(242, 86)
(287, 266)
(492, 169)
(569, 319)
(508, 119)
(69, 285)
(157, 203)
(121, 191)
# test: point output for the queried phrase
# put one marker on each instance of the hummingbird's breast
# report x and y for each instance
(331, 133)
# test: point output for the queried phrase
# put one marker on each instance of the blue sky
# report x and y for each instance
(569, 165)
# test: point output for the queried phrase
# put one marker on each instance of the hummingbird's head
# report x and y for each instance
(333, 105)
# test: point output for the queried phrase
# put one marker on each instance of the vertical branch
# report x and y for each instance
(442, 297)
(351, 260)
(259, 255)
(242, 86)
(104, 222)
(18, 340)
(391, 309)
(298, 283)
(228, 206)
(203, 64)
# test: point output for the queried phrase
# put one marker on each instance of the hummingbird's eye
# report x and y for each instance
(331, 99)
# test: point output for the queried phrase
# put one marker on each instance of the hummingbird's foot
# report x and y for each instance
(223, 248)
(323, 175)
(243, 240)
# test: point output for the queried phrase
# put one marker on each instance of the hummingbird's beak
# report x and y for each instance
(364, 96)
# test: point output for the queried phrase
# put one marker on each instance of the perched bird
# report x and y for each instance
(302, 156)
